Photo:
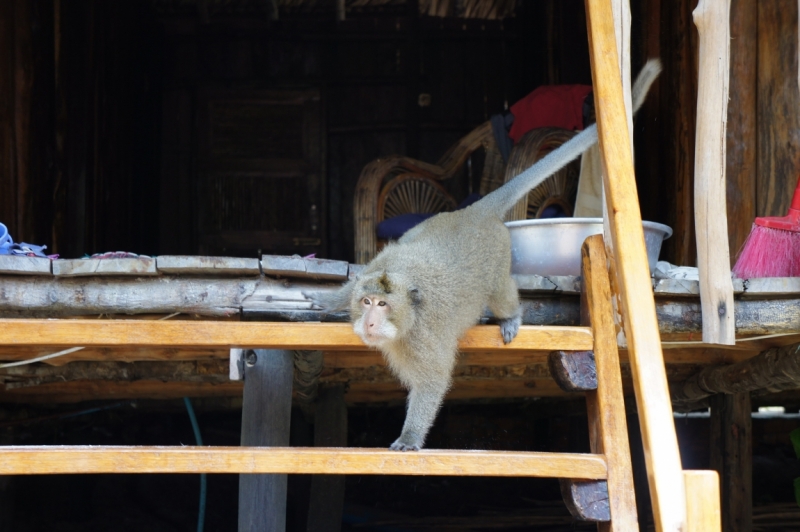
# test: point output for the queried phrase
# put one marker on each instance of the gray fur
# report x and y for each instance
(438, 279)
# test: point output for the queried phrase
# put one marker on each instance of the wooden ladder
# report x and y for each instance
(682, 501)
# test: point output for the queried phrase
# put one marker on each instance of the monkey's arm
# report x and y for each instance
(332, 301)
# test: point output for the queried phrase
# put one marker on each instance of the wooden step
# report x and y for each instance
(21, 460)
(267, 335)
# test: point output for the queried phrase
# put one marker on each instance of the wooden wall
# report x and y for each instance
(79, 139)
(371, 71)
(763, 147)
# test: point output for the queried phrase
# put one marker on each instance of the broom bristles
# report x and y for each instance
(769, 253)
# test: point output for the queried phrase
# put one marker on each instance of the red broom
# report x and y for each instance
(773, 247)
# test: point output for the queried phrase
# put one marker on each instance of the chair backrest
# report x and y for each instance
(559, 189)
(413, 193)
(382, 183)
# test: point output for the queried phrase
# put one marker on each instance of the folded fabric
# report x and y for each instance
(549, 106)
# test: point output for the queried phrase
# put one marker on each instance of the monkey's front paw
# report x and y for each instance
(406, 443)
(509, 327)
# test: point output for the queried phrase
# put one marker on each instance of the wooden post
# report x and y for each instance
(732, 457)
(712, 18)
(266, 411)
(327, 491)
(633, 277)
(606, 406)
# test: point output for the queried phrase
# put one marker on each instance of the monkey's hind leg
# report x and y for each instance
(505, 306)
(424, 400)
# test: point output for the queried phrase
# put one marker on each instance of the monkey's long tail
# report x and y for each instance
(501, 200)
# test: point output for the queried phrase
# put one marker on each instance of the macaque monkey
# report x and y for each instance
(419, 296)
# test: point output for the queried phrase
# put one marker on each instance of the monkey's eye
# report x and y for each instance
(366, 301)
(381, 303)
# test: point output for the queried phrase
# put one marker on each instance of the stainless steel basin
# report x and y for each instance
(552, 246)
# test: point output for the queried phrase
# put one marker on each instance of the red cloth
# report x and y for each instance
(549, 106)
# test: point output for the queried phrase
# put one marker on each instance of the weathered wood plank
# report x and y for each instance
(732, 457)
(20, 265)
(194, 265)
(742, 128)
(774, 369)
(296, 266)
(564, 284)
(303, 336)
(266, 412)
(97, 267)
(295, 460)
(54, 296)
(778, 100)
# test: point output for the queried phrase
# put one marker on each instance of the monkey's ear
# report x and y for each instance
(414, 295)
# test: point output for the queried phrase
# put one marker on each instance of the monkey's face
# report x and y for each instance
(382, 308)
(374, 325)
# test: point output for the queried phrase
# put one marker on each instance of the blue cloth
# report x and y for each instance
(394, 228)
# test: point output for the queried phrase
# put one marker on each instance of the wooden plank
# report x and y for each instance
(774, 369)
(37, 460)
(194, 265)
(702, 501)
(304, 336)
(326, 504)
(732, 457)
(358, 392)
(295, 266)
(761, 288)
(12, 264)
(85, 267)
(712, 18)
(56, 296)
(606, 406)
(633, 281)
(564, 284)
(742, 128)
(266, 412)
(778, 100)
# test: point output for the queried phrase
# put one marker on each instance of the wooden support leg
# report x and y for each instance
(608, 429)
(732, 458)
(702, 501)
(327, 491)
(266, 411)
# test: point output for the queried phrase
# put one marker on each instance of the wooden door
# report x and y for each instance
(261, 172)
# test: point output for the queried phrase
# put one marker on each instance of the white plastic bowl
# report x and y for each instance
(552, 246)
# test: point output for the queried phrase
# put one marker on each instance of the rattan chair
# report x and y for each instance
(398, 185)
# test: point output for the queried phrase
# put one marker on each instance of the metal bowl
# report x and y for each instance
(552, 246)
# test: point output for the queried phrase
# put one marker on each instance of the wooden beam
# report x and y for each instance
(266, 411)
(303, 336)
(38, 460)
(633, 278)
(732, 457)
(775, 369)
